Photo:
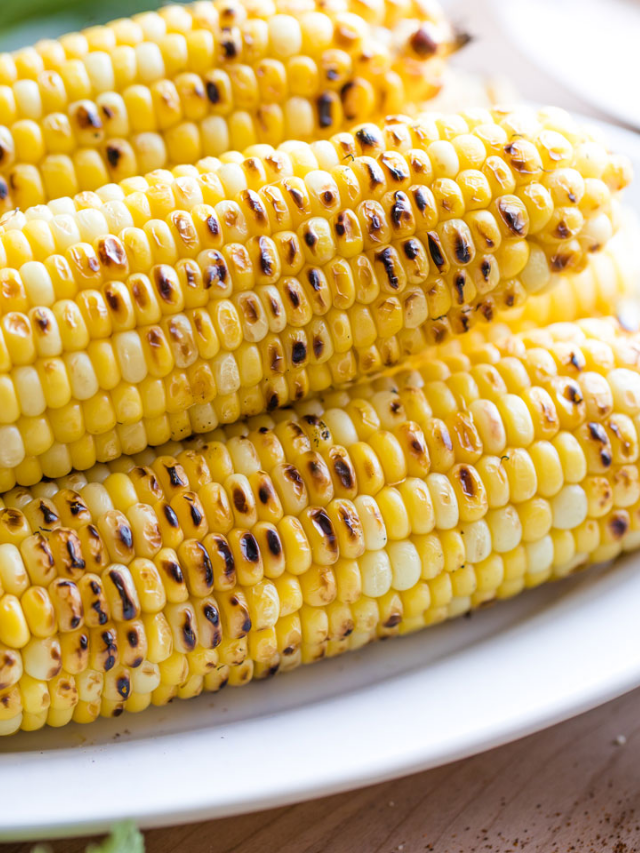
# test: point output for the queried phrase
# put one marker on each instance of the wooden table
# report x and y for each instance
(575, 787)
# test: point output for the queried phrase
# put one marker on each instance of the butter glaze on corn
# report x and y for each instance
(172, 86)
(299, 535)
(167, 305)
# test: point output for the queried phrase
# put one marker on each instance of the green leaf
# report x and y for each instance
(124, 838)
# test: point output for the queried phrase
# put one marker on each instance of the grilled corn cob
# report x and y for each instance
(610, 284)
(166, 306)
(298, 535)
(172, 86)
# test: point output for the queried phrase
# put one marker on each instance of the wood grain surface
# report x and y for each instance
(574, 788)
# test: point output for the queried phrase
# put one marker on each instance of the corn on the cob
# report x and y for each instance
(287, 538)
(172, 86)
(165, 306)
(610, 284)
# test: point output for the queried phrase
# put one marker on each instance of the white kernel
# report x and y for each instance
(62, 206)
(145, 678)
(150, 62)
(506, 528)
(130, 356)
(92, 224)
(444, 159)
(477, 540)
(625, 387)
(536, 273)
(539, 555)
(285, 36)
(406, 566)
(215, 136)
(100, 70)
(39, 211)
(325, 153)
(110, 192)
(28, 100)
(444, 501)
(117, 215)
(317, 30)
(375, 569)
(11, 725)
(13, 577)
(153, 28)
(373, 528)
(29, 389)
(590, 159)
(341, 426)
(299, 118)
(569, 507)
(37, 283)
(489, 424)
(13, 220)
(11, 447)
(82, 376)
(226, 373)
(233, 177)
(597, 231)
(517, 420)
(65, 231)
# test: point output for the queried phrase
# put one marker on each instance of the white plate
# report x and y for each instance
(588, 46)
(388, 710)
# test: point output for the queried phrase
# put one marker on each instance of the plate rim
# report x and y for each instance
(566, 614)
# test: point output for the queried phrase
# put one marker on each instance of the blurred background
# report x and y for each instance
(580, 54)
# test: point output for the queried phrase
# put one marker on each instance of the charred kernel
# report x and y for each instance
(249, 548)
(126, 536)
(412, 249)
(129, 609)
(462, 248)
(48, 515)
(240, 501)
(211, 614)
(196, 515)
(368, 137)
(618, 525)
(325, 111)
(298, 352)
(111, 252)
(423, 43)
(274, 543)
(174, 570)
(387, 258)
(436, 252)
(188, 633)
(512, 216)
(123, 686)
(376, 175)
